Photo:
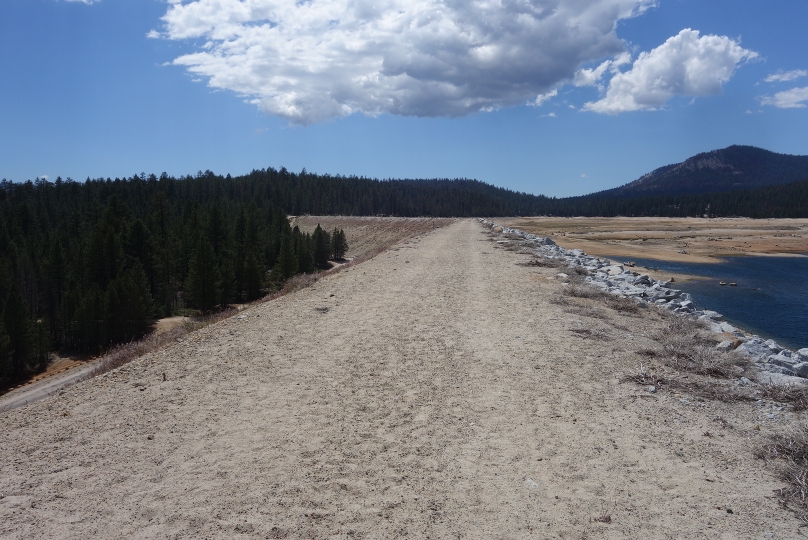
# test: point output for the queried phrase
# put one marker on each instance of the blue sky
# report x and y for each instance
(418, 89)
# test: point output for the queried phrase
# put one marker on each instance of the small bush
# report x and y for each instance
(641, 375)
(793, 449)
(584, 291)
(543, 262)
(793, 394)
(623, 305)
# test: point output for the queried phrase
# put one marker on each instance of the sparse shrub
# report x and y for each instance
(793, 449)
(580, 290)
(793, 394)
(542, 262)
(623, 305)
(642, 375)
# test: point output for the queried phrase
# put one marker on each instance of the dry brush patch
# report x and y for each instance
(790, 452)
(691, 363)
(795, 395)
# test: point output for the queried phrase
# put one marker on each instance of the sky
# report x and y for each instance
(554, 97)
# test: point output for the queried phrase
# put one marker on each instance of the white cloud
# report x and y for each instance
(790, 99)
(88, 2)
(541, 98)
(780, 76)
(686, 65)
(309, 61)
(549, 115)
(584, 175)
(591, 77)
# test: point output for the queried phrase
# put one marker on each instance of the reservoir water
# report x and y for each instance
(771, 299)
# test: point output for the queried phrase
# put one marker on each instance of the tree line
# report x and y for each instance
(86, 265)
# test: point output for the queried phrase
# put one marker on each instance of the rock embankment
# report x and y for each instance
(615, 279)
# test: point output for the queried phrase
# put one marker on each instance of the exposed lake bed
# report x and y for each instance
(765, 259)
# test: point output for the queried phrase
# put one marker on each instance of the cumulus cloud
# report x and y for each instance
(88, 2)
(308, 61)
(592, 77)
(686, 64)
(781, 76)
(790, 99)
(541, 98)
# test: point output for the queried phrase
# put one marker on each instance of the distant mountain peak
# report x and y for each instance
(734, 167)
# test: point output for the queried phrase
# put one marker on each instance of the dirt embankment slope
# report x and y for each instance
(431, 392)
(368, 233)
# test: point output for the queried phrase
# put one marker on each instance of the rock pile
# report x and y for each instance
(616, 279)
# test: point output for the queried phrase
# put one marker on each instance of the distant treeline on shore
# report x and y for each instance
(85, 265)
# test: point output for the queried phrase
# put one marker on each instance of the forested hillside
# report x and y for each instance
(788, 201)
(86, 265)
(733, 168)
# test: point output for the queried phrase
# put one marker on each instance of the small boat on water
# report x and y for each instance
(733, 284)
(722, 282)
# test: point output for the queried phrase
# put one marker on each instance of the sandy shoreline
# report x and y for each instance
(436, 390)
(704, 240)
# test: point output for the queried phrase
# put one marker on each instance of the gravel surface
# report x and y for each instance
(433, 391)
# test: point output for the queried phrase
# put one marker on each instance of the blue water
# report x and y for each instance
(771, 298)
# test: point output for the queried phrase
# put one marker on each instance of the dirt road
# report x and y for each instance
(431, 392)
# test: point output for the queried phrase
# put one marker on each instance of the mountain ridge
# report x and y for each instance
(736, 167)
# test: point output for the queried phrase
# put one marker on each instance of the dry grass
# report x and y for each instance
(643, 376)
(589, 333)
(795, 395)
(581, 311)
(582, 290)
(543, 262)
(126, 352)
(698, 367)
(792, 449)
(685, 349)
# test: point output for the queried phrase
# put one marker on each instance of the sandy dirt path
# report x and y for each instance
(431, 392)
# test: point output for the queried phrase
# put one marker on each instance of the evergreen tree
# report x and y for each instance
(253, 276)
(304, 250)
(202, 284)
(286, 265)
(42, 344)
(226, 286)
(18, 328)
(339, 244)
(322, 247)
(5, 352)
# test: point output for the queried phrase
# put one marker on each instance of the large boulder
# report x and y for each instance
(801, 369)
(754, 348)
(612, 270)
(782, 360)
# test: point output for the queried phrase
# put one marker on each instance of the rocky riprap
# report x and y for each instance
(621, 281)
